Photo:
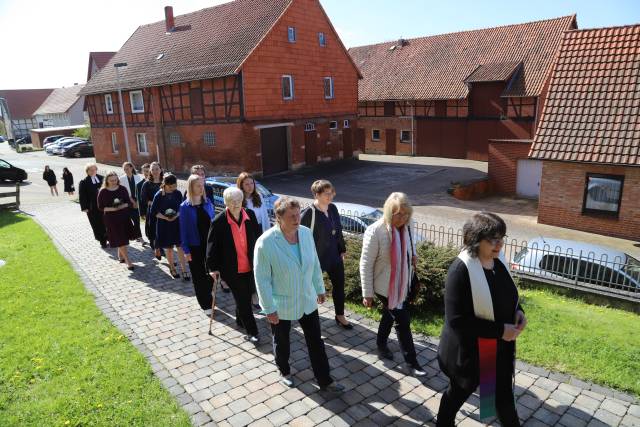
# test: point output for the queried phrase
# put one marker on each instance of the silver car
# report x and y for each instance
(577, 262)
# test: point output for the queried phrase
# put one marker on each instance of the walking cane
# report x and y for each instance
(213, 302)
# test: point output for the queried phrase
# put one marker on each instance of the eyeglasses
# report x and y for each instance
(402, 214)
(495, 242)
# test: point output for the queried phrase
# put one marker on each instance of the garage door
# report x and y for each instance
(528, 180)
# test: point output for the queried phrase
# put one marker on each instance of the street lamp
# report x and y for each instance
(124, 123)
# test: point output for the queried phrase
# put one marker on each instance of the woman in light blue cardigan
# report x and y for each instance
(290, 287)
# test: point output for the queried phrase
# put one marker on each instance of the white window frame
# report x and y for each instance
(114, 143)
(204, 139)
(333, 125)
(131, 95)
(346, 124)
(142, 138)
(291, 87)
(405, 140)
(108, 103)
(291, 34)
(322, 39)
(331, 94)
(373, 138)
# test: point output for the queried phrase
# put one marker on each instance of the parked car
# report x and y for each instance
(20, 141)
(573, 261)
(77, 149)
(51, 139)
(11, 173)
(356, 218)
(221, 183)
(54, 149)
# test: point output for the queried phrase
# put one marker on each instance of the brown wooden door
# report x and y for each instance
(274, 150)
(347, 143)
(359, 138)
(311, 147)
(390, 139)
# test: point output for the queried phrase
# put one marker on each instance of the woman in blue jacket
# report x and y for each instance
(196, 213)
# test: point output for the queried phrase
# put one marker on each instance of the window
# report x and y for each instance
(114, 142)
(375, 135)
(195, 98)
(333, 125)
(405, 136)
(108, 102)
(287, 87)
(174, 138)
(141, 142)
(4, 165)
(209, 139)
(602, 194)
(292, 34)
(322, 40)
(328, 88)
(345, 124)
(137, 102)
(309, 127)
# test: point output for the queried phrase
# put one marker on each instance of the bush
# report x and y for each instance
(84, 132)
(433, 264)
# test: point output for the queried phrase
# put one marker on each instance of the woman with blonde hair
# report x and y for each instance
(386, 268)
(165, 208)
(253, 200)
(196, 213)
(114, 202)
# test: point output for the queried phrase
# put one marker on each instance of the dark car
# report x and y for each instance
(11, 173)
(78, 149)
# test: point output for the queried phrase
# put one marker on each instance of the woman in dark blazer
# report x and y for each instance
(324, 219)
(196, 213)
(483, 318)
(50, 176)
(88, 194)
(67, 177)
(230, 245)
(147, 192)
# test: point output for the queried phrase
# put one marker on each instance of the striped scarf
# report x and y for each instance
(398, 282)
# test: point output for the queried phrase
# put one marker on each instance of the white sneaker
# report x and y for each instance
(286, 380)
(252, 338)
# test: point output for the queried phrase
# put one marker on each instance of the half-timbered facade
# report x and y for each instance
(448, 95)
(264, 86)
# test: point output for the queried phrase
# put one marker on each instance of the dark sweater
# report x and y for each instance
(458, 350)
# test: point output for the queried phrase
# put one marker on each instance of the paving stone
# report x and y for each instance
(319, 414)
(634, 410)
(630, 421)
(546, 416)
(279, 417)
(607, 417)
(569, 420)
(587, 402)
(241, 419)
(614, 407)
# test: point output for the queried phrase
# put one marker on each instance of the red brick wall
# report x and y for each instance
(101, 138)
(562, 194)
(307, 62)
(485, 101)
(383, 123)
(503, 164)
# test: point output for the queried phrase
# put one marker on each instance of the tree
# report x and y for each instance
(84, 132)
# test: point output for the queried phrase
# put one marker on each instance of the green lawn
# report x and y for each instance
(61, 361)
(567, 335)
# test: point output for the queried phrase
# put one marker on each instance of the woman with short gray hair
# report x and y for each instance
(483, 318)
(386, 268)
(230, 244)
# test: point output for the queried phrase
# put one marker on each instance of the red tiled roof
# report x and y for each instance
(100, 58)
(24, 102)
(592, 111)
(214, 43)
(435, 67)
(494, 72)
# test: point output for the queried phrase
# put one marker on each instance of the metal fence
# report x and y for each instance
(612, 275)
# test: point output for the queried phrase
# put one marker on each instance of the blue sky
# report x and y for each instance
(52, 46)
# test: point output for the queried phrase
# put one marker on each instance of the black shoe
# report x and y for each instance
(416, 370)
(333, 388)
(226, 290)
(342, 325)
(385, 353)
(103, 244)
(185, 276)
(131, 268)
(121, 261)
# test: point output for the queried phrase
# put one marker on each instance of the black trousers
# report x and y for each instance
(455, 395)
(336, 275)
(202, 282)
(401, 319)
(310, 324)
(242, 288)
(135, 218)
(150, 229)
(97, 225)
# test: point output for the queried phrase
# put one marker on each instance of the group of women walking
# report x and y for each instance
(283, 265)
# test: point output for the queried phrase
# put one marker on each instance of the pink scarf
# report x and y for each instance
(398, 288)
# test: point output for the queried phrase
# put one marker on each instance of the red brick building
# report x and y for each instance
(257, 85)
(448, 95)
(589, 134)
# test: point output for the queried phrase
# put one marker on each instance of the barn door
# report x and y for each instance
(390, 139)
(311, 146)
(274, 150)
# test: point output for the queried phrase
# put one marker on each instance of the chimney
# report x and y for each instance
(168, 19)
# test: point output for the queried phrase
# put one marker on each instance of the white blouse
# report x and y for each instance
(262, 214)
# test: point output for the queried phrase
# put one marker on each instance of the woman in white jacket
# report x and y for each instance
(386, 268)
(130, 181)
(253, 200)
